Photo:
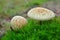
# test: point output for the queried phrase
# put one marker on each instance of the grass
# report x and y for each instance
(47, 30)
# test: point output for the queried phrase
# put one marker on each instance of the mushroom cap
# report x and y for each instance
(17, 22)
(40, 13)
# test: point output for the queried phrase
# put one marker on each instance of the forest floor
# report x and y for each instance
(10, 8)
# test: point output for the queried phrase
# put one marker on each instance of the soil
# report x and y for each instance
(53, 5)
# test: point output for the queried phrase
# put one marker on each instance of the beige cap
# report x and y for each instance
(17, 22)
(40, 13)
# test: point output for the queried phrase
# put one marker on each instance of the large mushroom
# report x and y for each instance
(18, 22)
(40, 13)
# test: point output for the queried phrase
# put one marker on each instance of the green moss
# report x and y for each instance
(49, 30)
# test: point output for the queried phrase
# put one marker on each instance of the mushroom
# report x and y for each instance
(18, 22)
(40, 13)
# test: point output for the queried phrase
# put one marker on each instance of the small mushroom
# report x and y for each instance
(18, 22)
(40, 13)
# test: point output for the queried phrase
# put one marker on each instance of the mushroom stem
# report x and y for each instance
(11, 28)
(40, 22)
(45, 22)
